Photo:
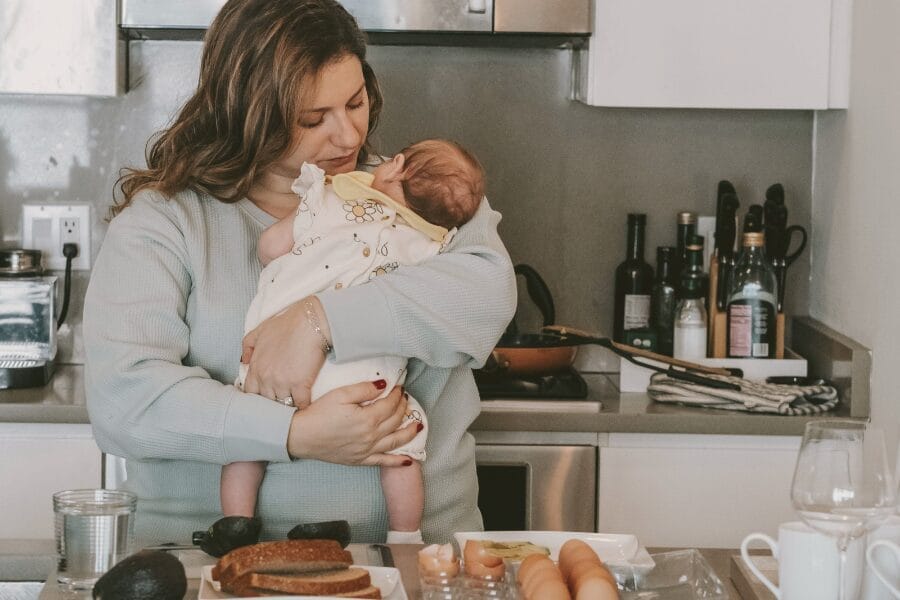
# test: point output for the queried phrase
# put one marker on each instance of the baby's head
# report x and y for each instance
(438, 179)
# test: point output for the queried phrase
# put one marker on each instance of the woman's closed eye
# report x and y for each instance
(355, 104)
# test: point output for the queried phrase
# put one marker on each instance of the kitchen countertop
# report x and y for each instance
(32, 560)
(605, 410)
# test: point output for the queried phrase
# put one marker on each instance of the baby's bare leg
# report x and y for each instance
(239, 486)
(404, 494)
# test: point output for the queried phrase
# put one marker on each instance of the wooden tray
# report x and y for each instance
(747, 584)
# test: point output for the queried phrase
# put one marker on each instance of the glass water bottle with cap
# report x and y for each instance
(752, 301)
(690, 312)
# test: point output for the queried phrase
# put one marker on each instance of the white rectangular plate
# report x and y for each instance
(387, 579)
(614, 549)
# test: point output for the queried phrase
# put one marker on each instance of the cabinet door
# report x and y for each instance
(37, 460)
(719, 54)
(701, 491)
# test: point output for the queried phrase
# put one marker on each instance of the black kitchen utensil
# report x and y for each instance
(728, 232)
(779, 237)
(753, 220)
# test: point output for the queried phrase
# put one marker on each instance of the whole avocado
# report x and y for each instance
(145, 575)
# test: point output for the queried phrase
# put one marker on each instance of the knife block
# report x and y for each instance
(717, 333)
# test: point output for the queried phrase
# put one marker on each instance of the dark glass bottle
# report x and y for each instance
(687, 226)
(690, 324)
(662, 297)
(752, 298)
(634, 281)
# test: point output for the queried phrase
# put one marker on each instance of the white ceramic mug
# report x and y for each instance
(882, 577)
(808, 563)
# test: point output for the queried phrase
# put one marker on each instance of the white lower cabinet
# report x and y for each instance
(701, 491)
(37, 459)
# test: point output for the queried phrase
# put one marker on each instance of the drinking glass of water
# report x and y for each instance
(94, 531)
(842, 484)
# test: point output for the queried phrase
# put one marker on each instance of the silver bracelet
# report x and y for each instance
(313, 320)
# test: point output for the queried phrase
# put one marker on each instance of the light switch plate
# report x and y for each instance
(46, 227)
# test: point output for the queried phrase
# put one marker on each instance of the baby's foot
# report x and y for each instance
(229, 533)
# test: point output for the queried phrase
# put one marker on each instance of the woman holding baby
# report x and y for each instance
(282, 83)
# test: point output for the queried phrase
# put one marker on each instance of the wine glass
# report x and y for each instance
(842, 484)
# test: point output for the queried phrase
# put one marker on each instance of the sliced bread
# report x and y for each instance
(328, 583)
(285, 556)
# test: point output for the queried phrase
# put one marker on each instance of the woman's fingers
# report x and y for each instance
(345, 427)
(283, 355)
(387, 460)
(396, 439)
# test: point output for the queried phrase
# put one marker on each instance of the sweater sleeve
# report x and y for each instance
(144, 402)
(447, 311)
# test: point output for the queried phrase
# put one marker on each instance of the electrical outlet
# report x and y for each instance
(46, 227)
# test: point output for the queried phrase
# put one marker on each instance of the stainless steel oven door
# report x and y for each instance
(537, 487)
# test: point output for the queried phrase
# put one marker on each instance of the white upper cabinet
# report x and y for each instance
(767, 54)
(61, 47)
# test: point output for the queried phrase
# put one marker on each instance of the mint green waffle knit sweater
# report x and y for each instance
(163, 323)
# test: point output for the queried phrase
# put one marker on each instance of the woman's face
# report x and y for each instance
(333, 128)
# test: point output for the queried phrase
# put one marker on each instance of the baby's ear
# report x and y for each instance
(394, 170)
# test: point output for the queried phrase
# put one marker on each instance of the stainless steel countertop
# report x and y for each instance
(605, 410)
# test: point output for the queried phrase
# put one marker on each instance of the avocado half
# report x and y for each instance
(323, 530)
(145, 575)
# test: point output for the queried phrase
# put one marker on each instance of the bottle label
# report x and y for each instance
(689, 343)
(751, 329)
(637, 311)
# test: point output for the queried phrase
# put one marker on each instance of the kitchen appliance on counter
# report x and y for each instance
(567, 385)
(27, 320)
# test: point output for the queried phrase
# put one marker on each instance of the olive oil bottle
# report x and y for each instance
(634, 282)
(752, 301)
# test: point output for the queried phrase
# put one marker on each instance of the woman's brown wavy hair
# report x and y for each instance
(259, 59)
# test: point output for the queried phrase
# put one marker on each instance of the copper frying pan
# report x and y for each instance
(554, 349)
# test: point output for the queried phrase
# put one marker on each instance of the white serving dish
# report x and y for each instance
(387, 579)
(633, 378)
(617, 550)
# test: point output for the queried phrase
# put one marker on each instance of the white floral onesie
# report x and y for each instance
(338, 243)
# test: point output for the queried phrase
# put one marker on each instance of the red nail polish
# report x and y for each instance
(380, 384)
(407, 463)
(420, 427)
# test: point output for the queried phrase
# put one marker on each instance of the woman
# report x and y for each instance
(281, 82)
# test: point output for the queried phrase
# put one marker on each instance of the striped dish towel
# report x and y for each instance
(753, 396)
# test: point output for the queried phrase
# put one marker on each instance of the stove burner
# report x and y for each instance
(561, 386)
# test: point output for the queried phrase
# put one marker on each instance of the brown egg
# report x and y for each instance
(593, 587)
(597, 572)
(573, 552)
(550, 589)
(539, 573)
(586, 567)
(475, 551)
(438, 560)
(532, 564)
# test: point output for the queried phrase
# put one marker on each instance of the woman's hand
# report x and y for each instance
(285, 353)
(337, 428)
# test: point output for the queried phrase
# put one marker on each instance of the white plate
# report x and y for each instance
(387, 579)
(614, 549)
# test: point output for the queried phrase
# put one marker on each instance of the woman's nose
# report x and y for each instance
(346, 135)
